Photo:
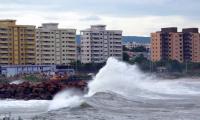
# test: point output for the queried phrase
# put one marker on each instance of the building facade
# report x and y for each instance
(55, 46)
(98, 44)
(17, 43)
(131, 45)
(191, 44)
(181, 46)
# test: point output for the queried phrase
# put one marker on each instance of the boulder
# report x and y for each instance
(43, 90)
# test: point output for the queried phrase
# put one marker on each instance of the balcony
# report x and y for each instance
(4, 56)
(71, 52)
(4, 30)
(30, 57)
(32, 47)
(4, 61)
(4, 41)
(30, 51)
(45, 46)
(4, 46)
(70, 48)
(4, 37)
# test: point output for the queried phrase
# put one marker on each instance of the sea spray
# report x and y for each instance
(115, 76)
(127, 80)
(17, 82)
(67, 98)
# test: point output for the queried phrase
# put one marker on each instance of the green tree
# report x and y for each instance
(125, 48)
(125, 57)
(142, 62)
(174, 66)
(139, 49)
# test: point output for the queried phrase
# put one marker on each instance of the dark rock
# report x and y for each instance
(43, 90)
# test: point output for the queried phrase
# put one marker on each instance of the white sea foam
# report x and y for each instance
(23, 104)
(67, 98)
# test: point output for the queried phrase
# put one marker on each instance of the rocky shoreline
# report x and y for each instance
(39, 91)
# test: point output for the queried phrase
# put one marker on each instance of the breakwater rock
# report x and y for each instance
(39, 91)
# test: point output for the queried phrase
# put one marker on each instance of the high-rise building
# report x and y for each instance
(98, 44)
(191, 44)
(55, 46)
(181, 46)
(17, 43)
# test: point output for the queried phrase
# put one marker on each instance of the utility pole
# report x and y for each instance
(186, 67)
(151, 66)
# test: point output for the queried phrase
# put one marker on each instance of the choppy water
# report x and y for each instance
(118, 92)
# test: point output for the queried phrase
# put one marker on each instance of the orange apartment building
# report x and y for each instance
(181, 46)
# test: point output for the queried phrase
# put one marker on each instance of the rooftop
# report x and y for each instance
(7, 20)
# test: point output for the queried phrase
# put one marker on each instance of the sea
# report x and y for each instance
(119, 91)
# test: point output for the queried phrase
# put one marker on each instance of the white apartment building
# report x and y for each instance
(98, 44)
(55, 46)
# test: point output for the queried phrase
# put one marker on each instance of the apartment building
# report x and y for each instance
(17, 43)
(131, 45)
(98, 44)
(181, 46)
(55, 46)
(191, 44)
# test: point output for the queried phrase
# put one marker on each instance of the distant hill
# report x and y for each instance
(138, 39)
(125, 39)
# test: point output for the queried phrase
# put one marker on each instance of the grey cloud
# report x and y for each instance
(119, 8)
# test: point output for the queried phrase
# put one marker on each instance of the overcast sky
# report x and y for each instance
(134, 17)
